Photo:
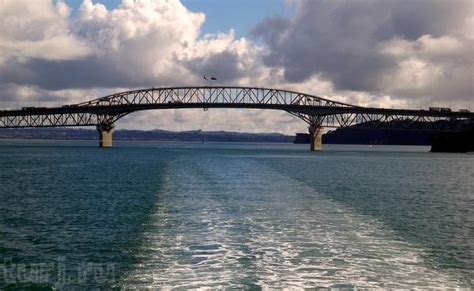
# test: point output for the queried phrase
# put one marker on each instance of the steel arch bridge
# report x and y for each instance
(317, 112)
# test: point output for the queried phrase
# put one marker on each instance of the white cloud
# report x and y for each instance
(37, 29)
(142, 39)
(137, 44)
(371, 53)
(438, 67)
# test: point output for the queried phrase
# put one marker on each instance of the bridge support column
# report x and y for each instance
(316, 136)
(105, 135)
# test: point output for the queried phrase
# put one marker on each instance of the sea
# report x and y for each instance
(233, 216)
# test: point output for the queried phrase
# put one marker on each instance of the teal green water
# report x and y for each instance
(184, 215)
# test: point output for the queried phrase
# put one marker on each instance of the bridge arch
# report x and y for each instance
(298, 104)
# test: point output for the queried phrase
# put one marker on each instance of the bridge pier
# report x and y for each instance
(316, 137)
(105, 135)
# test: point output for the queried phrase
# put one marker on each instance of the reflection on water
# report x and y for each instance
(241, 215)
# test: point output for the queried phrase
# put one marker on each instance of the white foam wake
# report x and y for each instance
(227, 222)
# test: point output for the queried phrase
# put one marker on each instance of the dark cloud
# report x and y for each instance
(14, 96)
(56, 75)
(224, 66)
(270, 28)
(340, 40)
(8, 93)
(90, 72)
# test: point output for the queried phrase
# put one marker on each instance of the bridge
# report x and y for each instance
(316, 111)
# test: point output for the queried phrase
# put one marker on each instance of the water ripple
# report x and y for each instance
(262, 228)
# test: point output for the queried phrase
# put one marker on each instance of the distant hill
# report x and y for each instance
(395, 136)
(152, 135)
(454, 136)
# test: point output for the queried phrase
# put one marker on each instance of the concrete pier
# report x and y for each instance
(105, 135)
(316, 136)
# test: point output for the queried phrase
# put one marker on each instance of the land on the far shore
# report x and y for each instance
(151, 135)
(460, 140)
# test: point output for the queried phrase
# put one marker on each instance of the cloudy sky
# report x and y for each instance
(391, 53)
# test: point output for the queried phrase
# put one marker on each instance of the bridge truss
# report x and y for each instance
(316, 111)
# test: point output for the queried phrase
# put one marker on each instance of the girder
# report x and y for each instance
(312, 109)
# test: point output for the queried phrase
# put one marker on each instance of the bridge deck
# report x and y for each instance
(312, 109)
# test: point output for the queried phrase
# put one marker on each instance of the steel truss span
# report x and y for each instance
(315, 110)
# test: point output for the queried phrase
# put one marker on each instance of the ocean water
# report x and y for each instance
(190, 215)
